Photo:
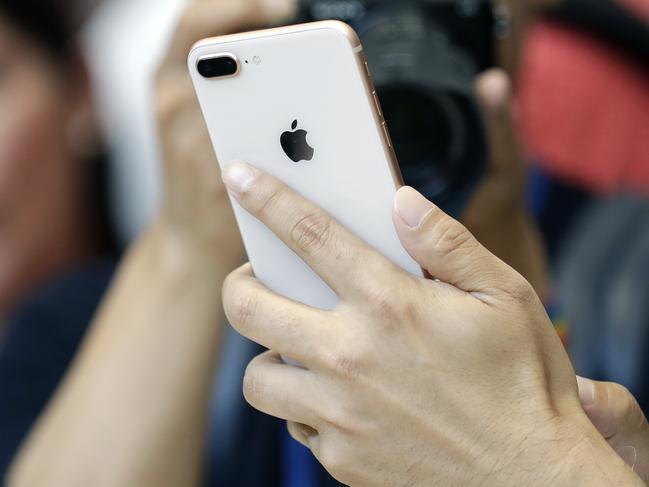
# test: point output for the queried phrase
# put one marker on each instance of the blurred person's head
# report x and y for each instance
(52, 208)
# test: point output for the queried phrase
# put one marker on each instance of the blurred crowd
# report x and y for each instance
(96, 116)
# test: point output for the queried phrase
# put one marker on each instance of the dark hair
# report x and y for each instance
(53, 24)
(49, 22)
(610, 20)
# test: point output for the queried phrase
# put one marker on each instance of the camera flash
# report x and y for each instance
(256, 60)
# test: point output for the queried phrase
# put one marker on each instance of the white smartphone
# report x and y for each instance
(298, 102)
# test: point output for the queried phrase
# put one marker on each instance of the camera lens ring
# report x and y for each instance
(218, 66)
(409, 49)
(437, 136)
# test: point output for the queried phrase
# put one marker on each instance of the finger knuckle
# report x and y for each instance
(626, 405)
(619, 391)
(391, 305)
(335, 461)
(522, 291)
(342, 363)
(241, 307)
(343, 420)
(270, 199)
(451, 236)
(295, 431)
(227, 290)
(343, 463)
(253, 384)
(312, 232)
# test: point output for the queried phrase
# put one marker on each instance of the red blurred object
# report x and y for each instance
(584, 108)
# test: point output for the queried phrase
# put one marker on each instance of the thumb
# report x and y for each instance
(445, 248)
(617, 416)
(610, 407)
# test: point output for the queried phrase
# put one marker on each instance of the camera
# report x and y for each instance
(218, 67)
(424, 56)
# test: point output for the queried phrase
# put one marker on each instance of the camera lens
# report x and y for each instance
(427, 125)
(424, 79)
(218, 67)
(437, 137)
(429, 134)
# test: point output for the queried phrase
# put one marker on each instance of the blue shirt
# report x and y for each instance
(246, 448)
(299, 467)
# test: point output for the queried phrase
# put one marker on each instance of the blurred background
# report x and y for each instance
(582, 109)
(80, 173)
(134, 37)
(582, 89)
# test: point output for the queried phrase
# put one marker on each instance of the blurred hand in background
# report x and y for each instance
(497, 214)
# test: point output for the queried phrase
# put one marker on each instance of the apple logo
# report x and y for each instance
(295, 144)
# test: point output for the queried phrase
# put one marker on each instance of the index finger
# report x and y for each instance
(340, 258)
(208, 18)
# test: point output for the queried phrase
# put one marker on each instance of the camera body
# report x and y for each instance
(424, 56)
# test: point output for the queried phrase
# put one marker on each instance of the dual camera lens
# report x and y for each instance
(218, 66)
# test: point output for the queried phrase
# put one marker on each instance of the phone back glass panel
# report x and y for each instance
(313, 74)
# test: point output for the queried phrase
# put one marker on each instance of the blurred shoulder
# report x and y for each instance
(59, 312)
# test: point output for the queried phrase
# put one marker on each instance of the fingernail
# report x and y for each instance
(494, 90)
(412, 207)
(239, 177)
(586, 391)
